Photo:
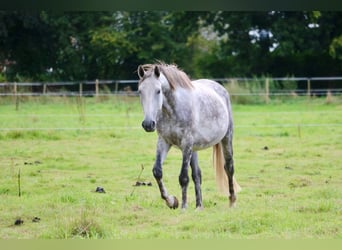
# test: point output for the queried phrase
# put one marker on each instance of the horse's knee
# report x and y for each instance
(183, 180)
(157, 173)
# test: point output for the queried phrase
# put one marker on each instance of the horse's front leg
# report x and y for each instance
(162, 150)
(184, 175)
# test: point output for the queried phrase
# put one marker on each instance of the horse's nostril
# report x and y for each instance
(149, 126)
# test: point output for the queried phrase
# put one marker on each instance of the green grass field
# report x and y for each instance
(288, 161)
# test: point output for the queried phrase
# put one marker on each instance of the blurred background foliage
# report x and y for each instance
(72, 46)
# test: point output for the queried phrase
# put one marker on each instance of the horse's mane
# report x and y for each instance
(175, 76)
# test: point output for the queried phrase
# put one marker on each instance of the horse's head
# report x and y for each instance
(151, 97)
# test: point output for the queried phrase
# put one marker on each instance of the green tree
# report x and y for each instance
(73, 54)
(247, 40)
(304, 39)
(277, 43)
(48, 45)
(25, 41)
(127, 39)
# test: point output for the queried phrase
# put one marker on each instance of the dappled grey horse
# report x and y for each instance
(191, 115)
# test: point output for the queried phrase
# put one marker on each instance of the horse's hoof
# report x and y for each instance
(184, 207)
(232, 200)
(172, 202)
(199, 209)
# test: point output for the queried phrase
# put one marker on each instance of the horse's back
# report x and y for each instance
(218, 88)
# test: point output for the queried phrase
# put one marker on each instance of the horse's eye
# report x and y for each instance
(158, 91)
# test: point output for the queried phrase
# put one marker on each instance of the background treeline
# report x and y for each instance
(71, 46)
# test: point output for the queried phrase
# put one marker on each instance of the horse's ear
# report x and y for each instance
(141, 71)
(156, 71)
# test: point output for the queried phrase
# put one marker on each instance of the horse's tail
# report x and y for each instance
(221, 175)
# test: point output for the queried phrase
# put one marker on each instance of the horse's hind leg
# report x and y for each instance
(227, 147)
(184, 176)
(197, 178)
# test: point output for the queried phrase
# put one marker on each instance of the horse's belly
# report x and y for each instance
(210, 123)
(202, 133)
(208, 136)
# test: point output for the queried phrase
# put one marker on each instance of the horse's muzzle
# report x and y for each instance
(149, 126)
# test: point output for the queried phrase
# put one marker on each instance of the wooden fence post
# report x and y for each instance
(16, 99)
(81, 89)
(116, 87)
(44, 89)
(309, 88)
(15, 88)
(267, 90)
(97, 88)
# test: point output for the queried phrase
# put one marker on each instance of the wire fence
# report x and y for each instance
(262, 88)
(335, 123)
(265, 87)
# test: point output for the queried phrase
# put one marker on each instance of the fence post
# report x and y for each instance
(116, 87)
(44, 89)
(16, 99)
(309, 88)
(96, 88)
(267, 90)
(81, 88)
(15, 88)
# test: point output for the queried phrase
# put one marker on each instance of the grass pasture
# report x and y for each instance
(288, 159)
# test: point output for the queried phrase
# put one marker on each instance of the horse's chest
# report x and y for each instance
(173, 132)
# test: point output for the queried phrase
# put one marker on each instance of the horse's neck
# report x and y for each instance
(168, 102)
(168, 95)
(173, 98)
(176, 101)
